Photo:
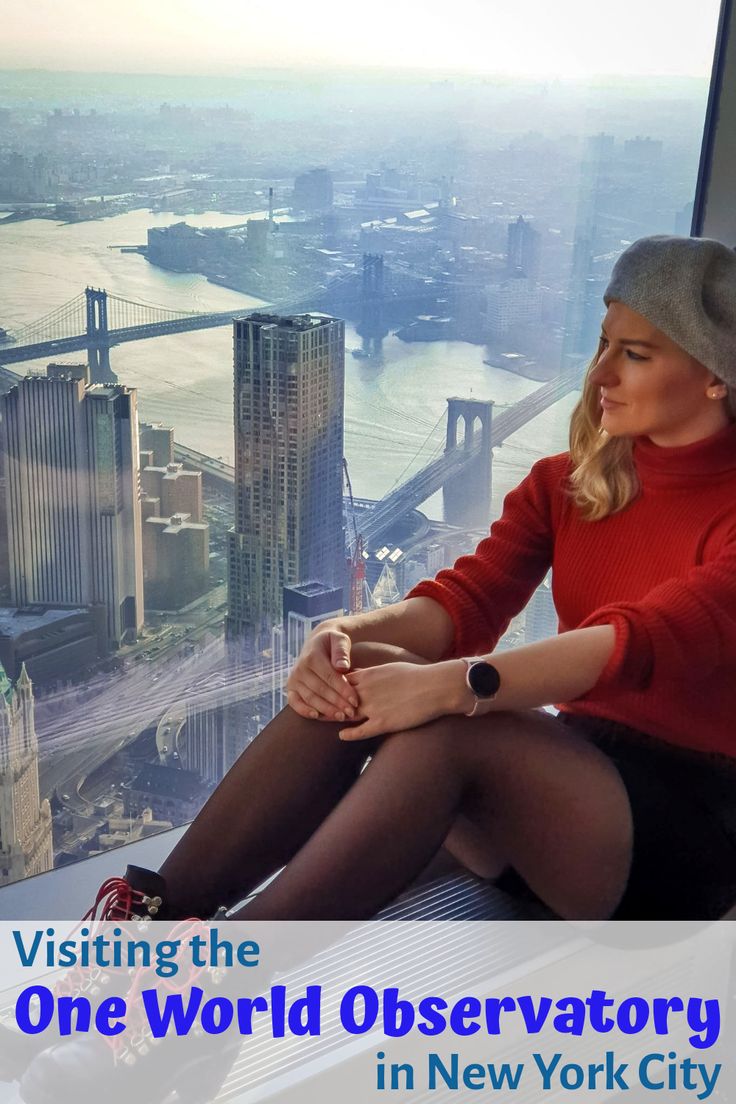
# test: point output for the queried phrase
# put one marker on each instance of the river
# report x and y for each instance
(186, 380)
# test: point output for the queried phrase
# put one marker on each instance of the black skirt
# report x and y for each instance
(683, 806)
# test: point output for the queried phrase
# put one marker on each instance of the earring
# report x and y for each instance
(715, 395)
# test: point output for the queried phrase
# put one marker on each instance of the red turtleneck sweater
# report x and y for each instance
(662, 572)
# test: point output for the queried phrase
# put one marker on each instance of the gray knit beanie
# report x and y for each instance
(686, 287)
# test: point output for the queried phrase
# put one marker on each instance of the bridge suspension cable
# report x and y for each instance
(131, 312)
(443, 416)
(64, 321)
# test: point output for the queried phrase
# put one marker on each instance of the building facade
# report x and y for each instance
(289, 424)
(523, 249)
(176, 560)
(513, 308)
(305, 606)
(26, 845)
(53, 642)
(313, 190)
(177, 490)
(157, 439)
(73, 496)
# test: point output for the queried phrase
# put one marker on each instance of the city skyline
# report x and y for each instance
(571, 40)
(296, 192)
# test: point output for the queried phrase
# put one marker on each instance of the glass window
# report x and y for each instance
(449, 198)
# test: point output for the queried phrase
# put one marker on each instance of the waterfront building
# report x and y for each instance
(289, 424)
(26, 845)
(72, 496)
(157, 439)
(181, 247)
(513, 307)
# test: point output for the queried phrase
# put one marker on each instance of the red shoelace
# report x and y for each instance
(135, 1042)
(116, 898)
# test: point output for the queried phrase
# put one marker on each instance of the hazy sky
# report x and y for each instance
(575, 38)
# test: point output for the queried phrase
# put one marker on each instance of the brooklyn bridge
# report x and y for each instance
(97, 320)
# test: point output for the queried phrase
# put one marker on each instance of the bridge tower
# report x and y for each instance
(467, 496)
(372, 328)
(98, 340)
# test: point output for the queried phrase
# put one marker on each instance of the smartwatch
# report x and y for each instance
(482, 679)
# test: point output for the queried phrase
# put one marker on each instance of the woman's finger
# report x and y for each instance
(359, 732)
(297, 703)
(319, 665)
(339, 702)
(316, 703)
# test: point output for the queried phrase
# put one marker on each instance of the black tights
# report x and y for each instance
(296, 798)
(514, 788)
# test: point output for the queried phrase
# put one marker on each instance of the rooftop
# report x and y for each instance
(15, 622)
(290, 322)
(310, 589)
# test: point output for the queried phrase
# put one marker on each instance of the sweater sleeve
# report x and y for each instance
(683, 628)
(483, 591)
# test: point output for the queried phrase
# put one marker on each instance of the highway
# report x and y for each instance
(81, 727)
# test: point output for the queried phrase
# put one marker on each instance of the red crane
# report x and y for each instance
(355, 561)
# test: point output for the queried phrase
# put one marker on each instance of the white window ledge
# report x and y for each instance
(67, 893)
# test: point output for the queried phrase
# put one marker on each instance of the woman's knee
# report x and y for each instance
(432, 742)
(300, 736)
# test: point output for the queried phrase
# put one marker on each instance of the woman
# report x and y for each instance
(615, 807)
(619, 806)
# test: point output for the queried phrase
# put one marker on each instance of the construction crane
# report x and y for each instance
(356, 558)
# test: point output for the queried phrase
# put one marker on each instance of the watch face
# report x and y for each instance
(484, 679)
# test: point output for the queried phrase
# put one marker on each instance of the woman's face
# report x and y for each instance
(660, 391)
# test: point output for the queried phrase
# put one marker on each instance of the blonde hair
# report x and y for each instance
(603, 480)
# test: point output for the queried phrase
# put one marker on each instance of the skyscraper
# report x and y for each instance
(305, 606)
(25, 821)
(313, 190)
(523, 251)
(289, 397)
(73, 497)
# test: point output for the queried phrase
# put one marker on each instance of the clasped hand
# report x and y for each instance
(394, 697)
(374, 700)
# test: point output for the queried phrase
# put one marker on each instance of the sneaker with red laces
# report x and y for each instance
(139, 895)
(136, 1065)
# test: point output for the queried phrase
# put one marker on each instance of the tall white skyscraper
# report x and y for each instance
(73, 496)
(25, 821)
(289, 399)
